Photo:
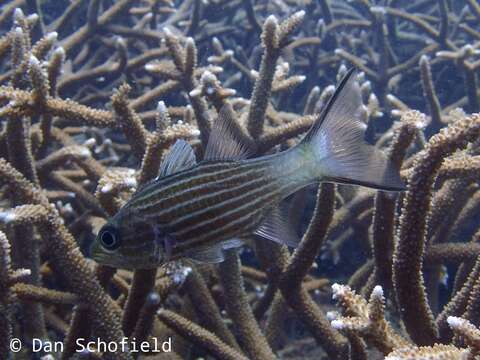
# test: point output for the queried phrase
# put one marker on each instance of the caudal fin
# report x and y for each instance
(337, 142)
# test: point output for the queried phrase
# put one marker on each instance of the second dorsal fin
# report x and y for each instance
(225, 141)
(180, 157)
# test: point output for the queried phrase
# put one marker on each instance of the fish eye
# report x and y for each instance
(109, 239)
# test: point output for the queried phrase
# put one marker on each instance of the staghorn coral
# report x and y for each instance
(367, 321)
(94, 93)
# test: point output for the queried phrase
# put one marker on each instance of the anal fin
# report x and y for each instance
(276, 227)
(213, 254)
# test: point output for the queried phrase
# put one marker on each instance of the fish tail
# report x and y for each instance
(334, 149)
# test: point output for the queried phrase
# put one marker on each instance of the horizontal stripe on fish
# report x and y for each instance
(198, 204)
(231, 198)
(165, 184)
(173, 203)
(239, 220)
(235, 196)
(202, 173)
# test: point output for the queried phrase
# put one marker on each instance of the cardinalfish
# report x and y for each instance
(199, 210)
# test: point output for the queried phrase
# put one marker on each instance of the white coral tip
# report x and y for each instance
(337, 324)
(90, 142)
(179, 277)
(332, 315)
(33, 18)
(336, 287)
(271, 19)
(7, 216)
(161, 107)
(130, 182)
(195, 92)
(380, 10)
(150, 67)
(60, 51)
(424, 58)
(455, 322)
(120, 41)
(34, 61)
(106, 188)
(377, 291)
(52, 36)
(208, 77)
(18, 13)
(300, 14)
(85, 152)
(215, 69)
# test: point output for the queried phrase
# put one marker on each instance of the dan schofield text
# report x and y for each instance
(98, 345)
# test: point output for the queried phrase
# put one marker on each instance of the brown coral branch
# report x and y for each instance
(6, 296)
(275, 260)
(185, 60)
(384, 216)
(63, 248)
(130, 122)
(199, 336)
(274, 38)
(206, 308)
(430, 94)
(250, 335)
(304, 256)
(27, 292)
(142, 284)
(408, 256)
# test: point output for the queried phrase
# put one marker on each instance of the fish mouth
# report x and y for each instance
(100, 257)
(132, 264)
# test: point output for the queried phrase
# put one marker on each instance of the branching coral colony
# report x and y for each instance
(93, 94)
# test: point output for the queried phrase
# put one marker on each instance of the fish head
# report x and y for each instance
(129, 242)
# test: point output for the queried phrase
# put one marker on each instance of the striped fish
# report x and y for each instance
(199, 210)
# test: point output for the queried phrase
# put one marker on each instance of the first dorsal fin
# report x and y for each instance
(225, 141)
(180, 157)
